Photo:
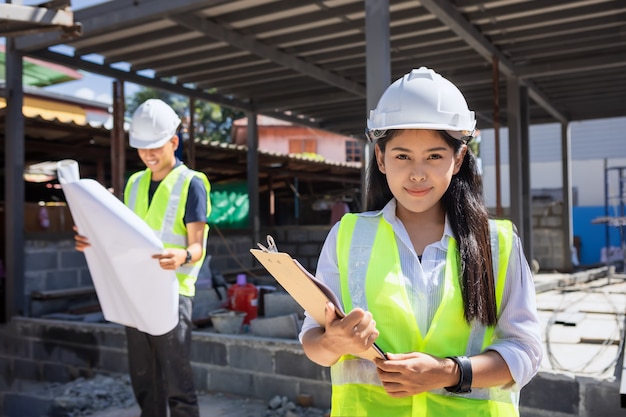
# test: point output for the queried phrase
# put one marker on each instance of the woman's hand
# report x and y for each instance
(353, 334)
(412, 373)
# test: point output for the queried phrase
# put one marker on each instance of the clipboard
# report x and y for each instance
(309, 292)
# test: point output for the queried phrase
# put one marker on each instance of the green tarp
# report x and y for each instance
(230, 205)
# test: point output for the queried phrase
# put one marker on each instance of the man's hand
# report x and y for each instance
(171, 259)
(81, 241)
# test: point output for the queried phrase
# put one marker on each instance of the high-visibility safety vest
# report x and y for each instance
(371, 278)
(166, 212)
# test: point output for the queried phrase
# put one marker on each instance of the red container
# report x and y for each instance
(243, 296)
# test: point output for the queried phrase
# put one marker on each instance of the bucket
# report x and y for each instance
(226, 321)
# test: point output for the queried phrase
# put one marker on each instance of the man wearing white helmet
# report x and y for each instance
(174, 202)
(442, 289)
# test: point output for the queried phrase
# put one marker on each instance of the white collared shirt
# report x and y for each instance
(518, 333)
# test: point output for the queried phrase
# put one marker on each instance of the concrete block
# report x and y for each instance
(61, 279)
(319, 235)
(602, 399)
(551, 222)
(297, 235)
(229, 380)
(10, 345)
(40, 261)
(251, 358)
(309, 249)
(6, 375)
(40, 308)
(280, 304)
(34, 281)
(84, 277)
(111, 336)
(297, 365)
(284, 327)
(54, 372)
(26, 405)
(113, 361)
(556, 208)
(72, 259)
(208, 352)
(268, 386)
(26, 369)
(551, 392)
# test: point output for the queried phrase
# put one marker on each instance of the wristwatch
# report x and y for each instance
(187, 259)
(464, 386)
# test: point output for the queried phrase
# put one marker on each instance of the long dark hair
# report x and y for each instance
(468, 217)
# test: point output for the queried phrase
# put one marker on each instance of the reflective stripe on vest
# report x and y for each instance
(367, 253)
(165, 215)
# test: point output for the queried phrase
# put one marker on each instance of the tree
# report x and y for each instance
(212, 121)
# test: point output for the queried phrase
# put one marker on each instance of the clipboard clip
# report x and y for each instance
(271, 246)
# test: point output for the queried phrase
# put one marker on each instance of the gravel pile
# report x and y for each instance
(82, 396)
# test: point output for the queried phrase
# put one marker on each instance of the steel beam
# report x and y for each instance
(446, 12)
(17, 19)
(114, 15)
(251, 45)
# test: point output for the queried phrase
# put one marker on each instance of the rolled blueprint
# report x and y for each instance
(132, 288)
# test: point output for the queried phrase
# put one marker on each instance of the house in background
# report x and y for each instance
(282, 137)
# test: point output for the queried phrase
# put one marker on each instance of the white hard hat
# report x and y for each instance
(422, 99)
(153, 124)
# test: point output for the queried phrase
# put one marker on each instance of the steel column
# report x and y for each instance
(14, 185)
(253, 176)
(378, 70)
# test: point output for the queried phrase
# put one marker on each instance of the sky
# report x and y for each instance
(92, 87)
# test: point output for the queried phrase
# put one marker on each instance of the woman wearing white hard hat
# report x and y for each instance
(443, 290)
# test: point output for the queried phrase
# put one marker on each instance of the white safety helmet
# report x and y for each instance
(153, 124)
(422, 99)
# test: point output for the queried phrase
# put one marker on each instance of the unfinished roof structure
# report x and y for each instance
(306, 60)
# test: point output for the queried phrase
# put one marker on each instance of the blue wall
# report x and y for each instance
(592, 236)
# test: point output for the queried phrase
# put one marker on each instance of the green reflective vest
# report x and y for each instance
(371, 278)
(166, 212)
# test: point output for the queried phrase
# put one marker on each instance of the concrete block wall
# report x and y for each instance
(548, 235)
(230, 251)
(557, 394)
(60, 351)
(54, 264)
(40, 349)
(301, 242)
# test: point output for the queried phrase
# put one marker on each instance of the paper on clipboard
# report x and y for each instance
(309, 292)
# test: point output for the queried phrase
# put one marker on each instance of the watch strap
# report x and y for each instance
(464, 385)
(187, 259)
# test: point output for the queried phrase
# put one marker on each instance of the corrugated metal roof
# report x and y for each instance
(50, 139)
(304, 60)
